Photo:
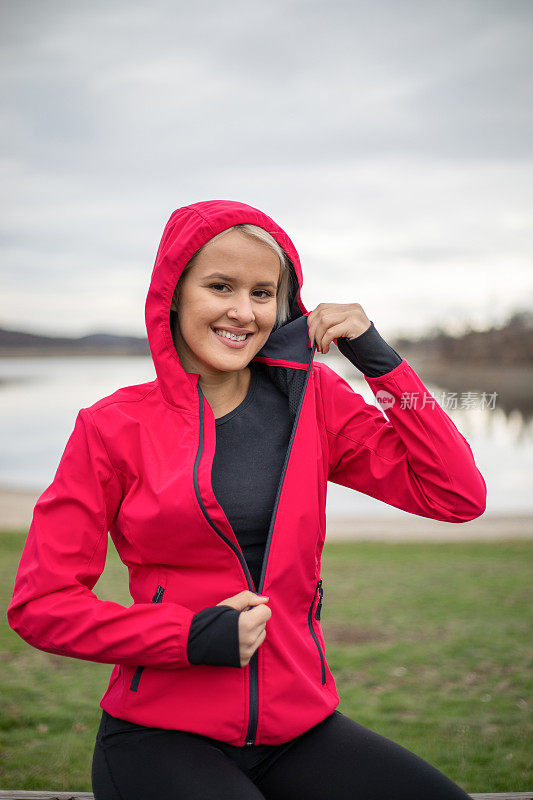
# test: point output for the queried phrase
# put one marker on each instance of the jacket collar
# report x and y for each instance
(287, 346)
(186, 231)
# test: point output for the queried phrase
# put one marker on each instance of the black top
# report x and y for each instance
(251, 445)
(252, 441)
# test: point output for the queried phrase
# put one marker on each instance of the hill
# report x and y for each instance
(510, 344)
(20, 343)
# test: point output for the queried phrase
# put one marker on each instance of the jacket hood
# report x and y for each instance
(186, 231)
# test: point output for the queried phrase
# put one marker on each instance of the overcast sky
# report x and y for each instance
(392, 140)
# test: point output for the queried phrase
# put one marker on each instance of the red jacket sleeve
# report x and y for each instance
(414, 458)
(53, 607)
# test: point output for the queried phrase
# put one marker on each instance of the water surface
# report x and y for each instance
(40, 398)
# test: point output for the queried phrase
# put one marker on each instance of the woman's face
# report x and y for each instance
(230, 287)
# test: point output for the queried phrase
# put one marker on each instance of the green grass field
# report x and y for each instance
(430, 646)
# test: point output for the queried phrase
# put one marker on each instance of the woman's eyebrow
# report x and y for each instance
(227, 278)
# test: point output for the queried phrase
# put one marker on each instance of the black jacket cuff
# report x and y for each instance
(370, 353)
(214, 637)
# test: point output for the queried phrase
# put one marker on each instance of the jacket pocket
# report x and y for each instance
(316, 615)
(134, 685)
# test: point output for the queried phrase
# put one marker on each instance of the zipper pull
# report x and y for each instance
(320, 595)
(158, 596)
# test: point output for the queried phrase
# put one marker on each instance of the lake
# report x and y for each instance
(40, 398)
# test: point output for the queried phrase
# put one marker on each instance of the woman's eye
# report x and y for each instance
(262, 293)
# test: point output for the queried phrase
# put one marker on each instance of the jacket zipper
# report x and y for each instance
(310, 621)
(253, 668)
(157, 598)
(252, 664)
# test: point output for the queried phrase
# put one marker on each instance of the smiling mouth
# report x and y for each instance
(233, 337)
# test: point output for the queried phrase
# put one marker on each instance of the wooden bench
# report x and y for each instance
(8, 794)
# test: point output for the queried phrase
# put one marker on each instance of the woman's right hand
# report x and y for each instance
(252, 625)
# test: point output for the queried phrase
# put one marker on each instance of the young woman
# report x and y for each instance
(211, 481)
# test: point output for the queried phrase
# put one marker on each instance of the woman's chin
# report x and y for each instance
(219, 357)
(233, 362)
(230, 357)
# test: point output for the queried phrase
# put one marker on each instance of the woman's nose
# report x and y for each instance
(241, 309)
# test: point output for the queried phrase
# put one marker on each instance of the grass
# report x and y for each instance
(429, 645)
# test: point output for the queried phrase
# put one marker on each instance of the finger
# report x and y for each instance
(239, 601)
(260, 614)
(326, 323)
(248, 595)
(247, 598)
(250, 649)
(313, 318)
(257, 600)
(334, 332)
(249, 639)
(252, 625)
(314, 321)
(260, 639)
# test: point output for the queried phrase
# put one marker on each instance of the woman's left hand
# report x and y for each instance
(328, 321)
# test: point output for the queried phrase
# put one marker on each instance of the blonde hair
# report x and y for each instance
(284, 282)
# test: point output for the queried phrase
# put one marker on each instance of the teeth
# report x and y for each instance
(228, 335)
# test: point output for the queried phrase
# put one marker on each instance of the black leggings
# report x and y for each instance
(338, 758)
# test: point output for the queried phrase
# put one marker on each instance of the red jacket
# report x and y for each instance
(138, 465)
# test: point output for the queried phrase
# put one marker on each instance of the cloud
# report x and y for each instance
(394, 140)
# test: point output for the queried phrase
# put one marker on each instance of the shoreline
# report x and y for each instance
(17, 504)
